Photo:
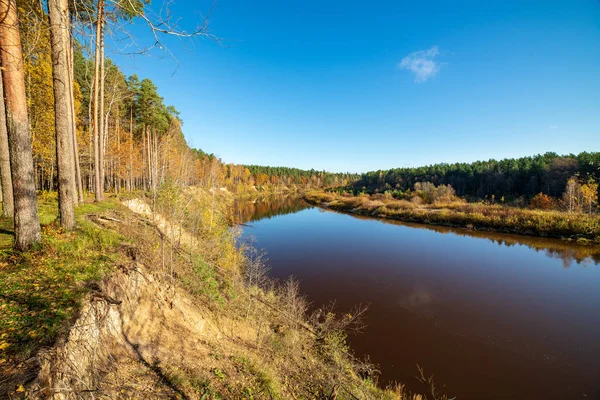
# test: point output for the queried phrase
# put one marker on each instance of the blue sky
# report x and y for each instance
(358, 86)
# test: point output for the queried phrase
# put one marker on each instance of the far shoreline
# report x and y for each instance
(570, 227)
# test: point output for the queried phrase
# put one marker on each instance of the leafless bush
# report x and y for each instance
(255, 272)
(444, 193)
(431, 193)
(256, 269)
(294, 304)
(417, 200)
(431, 387)
(325, 319)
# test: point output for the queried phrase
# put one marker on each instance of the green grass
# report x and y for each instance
(204, 281)
(41, 290)
(264, 382)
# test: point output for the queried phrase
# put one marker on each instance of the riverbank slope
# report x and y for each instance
(159, 302)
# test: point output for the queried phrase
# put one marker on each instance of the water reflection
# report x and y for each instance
(245, 211)
(419, 302)
(567, 251)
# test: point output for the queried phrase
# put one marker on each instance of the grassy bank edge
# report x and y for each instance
(583, 228)
(41, 290)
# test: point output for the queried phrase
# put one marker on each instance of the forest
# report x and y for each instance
(543, 195)
(141, 141)
(508, 178)
(262, 174)
(92, 129)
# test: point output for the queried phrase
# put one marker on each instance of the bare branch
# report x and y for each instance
(161, 24)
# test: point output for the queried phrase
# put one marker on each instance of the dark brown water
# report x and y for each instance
(492, 316)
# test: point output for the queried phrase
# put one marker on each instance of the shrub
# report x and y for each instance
(417, 200)
(321, 197)
(431, 193)
(444, 193)
(542, 201)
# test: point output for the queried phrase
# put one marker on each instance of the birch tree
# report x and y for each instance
(98, 102)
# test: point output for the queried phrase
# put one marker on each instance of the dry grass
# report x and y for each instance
(580, 226)
(258, 341)
(401, 205)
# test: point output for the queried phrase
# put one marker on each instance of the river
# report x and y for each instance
(491, 316)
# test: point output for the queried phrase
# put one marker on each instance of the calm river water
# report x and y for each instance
(492, 316)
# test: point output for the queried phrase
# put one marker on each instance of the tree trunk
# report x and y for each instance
(70, 108)
(78, 181)
(144, 155)
(149, 157)
(77, 168)
(129, 184)
(5, 178)
(117, 160)
(98, 189)
(63, 123)
(51, 177)
(102, 127)
(155, 164)
(27, 223)
(92, 154)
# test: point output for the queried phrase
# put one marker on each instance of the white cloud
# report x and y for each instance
(422, 63)
(553, 127)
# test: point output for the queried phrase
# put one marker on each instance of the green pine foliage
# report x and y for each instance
(512, 178)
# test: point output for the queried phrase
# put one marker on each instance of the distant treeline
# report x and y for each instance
(264, 174)
(511, 178)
